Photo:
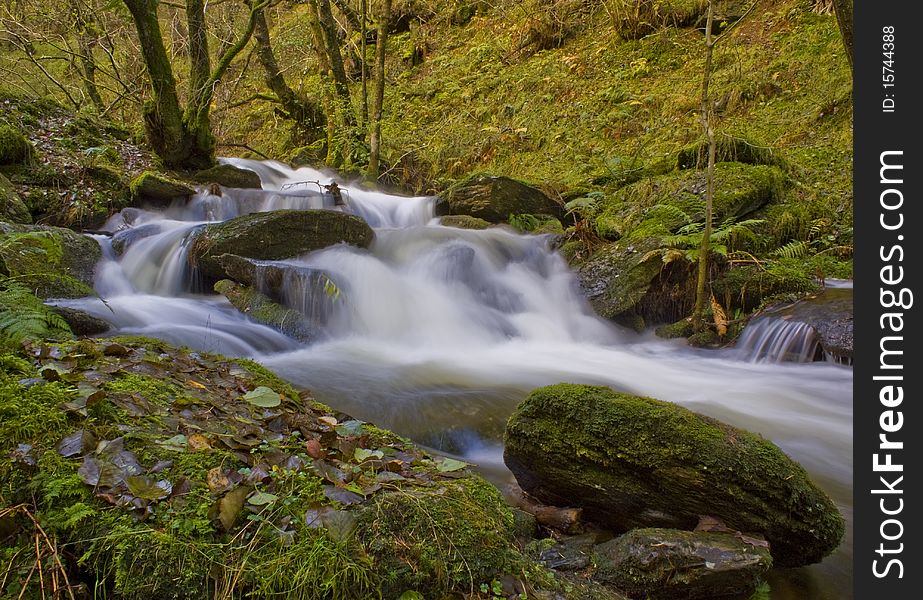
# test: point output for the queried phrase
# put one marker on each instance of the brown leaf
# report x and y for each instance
(720, 318)
(217, 481)
(197, 441)
(314, 449)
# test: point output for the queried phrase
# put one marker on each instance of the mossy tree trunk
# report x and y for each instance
(379, 98)
(183, 138)
(308, 117)
(363, 33)
(342, 137)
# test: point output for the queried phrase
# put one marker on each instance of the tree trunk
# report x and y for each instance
(308, 116)
(163, 116)
(844, 12)
(85, 42)
(698, 312)
(378, 99)
(340, 150)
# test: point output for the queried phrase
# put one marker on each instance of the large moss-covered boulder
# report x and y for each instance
(229, 176)
(12, 208)
(276, 235)
(494, 199)
(51, 261)
(660, 205)
(629, 283)
(638, 462)
(670, 564)
(169, 474)
(158, 190)
(262, 309)
(14, 147)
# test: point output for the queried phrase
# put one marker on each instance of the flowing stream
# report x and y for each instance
(438, 333)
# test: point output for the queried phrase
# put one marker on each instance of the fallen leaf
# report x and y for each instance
(262, 499)
(362, 454)
(263, 397)
(342, 496)
(230, 505)
(328, 420)
(448, 465)
(197, 442)
(352, 427)
(148, 488)
(217, 481)
(314, 449)
(177, 443)
(79, 442)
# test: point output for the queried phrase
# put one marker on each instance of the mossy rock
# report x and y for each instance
(229, 176)
(52, 261)
(156, 189)
(749, 286)
(262, 309)
(274, 236)
(494, 198)
(681, 328)
(12, 208)
(727, 149)
(464, 222)
(312, 155)
(171, 473)
(661, 205)
(635, 462)
(670, 564)
(629, 283)
(14, 147)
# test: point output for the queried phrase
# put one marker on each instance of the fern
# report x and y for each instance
(793, 249)
(24, 316)
(524, 223)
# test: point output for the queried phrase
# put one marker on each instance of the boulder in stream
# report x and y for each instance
(670, 564)
(494, 199)
(158, 190)
(262, 309)
(275, 235)
(52, 261)
(229, 176)
(631, 462)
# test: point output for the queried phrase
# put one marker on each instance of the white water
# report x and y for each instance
(438, 333)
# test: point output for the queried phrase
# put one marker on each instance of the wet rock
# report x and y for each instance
(123, 240)
(628, 282)
(262, 309)
(830, 314)
(494, 199)
(275, 235)
(668, 564)
(463, 222)
(229, 176)
(81, 322)
(638, 462)
(12, 208)
(158, 190)
(570, 554)
(52, 261)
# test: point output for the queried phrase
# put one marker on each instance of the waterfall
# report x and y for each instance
(775, 339)
(438, 332)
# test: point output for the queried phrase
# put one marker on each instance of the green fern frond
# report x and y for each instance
(23, 316)
(793, 249)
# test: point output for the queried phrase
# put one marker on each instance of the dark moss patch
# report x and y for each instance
(51, 261)
(14, 147)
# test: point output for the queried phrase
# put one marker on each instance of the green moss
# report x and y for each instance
(12, 208)
(14, 147)
(464, 222)
(681, 328)
(260, 375)
(262, 309)
(29, 413)
(449, 537)
(53, 262)
(158, 189)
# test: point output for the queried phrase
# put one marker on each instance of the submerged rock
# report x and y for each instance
(275, 235)
(494, 199)
(158, 190)
(638, 462)
(262, 309)
(52, 261)
(669, 564)
(463, 222)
